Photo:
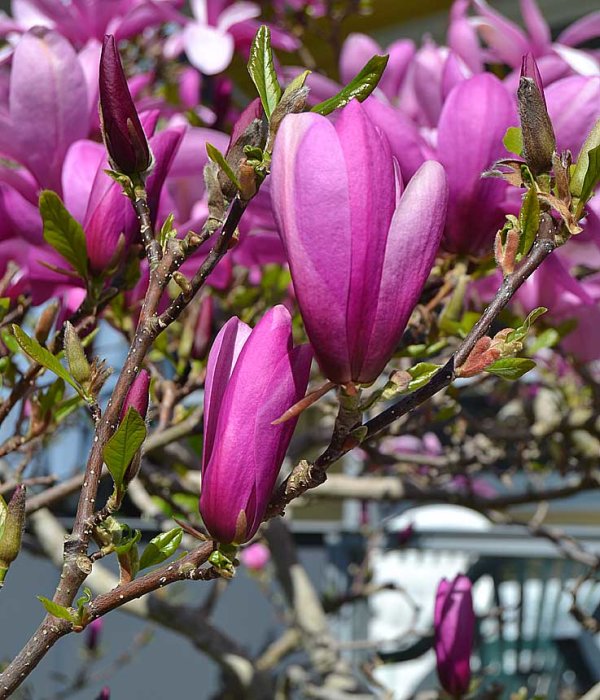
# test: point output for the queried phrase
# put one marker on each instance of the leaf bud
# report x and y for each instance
(12, 531)
(78, 363)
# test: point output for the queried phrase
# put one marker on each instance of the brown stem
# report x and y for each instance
(52, 628)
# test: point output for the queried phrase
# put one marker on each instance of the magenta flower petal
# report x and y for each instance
(47, 105)
(475, 206)
(573, 108)
(462, 36)
(582, 30)
(137, 396)
(413, 241)
(306, 193)
(536, 25)
(356, 51)
(506, 39)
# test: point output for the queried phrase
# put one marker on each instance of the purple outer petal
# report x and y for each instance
(412, 244)
(221, 361)
(475, 207)
(538, 29)
(311, 203)
(109, 213)
(48, 105)
(573, 106)
(505, 38)
(82, 162)
(454, 622)
(372, 198)
(356, 51)
(137, 396)
(408, 147)
(247, 450)
(583, 30)
(462, 37)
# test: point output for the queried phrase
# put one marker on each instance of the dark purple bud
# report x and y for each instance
(104, 694)
(137, 396)
(124, 137)
(454, 622)
(405, 534)
(94, 630)
(539, 142)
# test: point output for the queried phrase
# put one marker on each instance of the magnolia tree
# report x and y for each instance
(333, 246)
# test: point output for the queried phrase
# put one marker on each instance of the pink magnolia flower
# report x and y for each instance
(218, 29)
(358, 259)
(476, 205)
(256, 556)
(507, 42)
(454, 624)
(82, 20)
(253, 376)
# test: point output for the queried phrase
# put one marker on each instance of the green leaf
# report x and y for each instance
(56, 609)
(217, 157)
(82, 601)
(262, 70)
(124, 444)
(167, 230)
(529, 220)
(581, 168)
(513, 140)
(66, 408)
(129, 540)
(161, 547)
(421, 374)
(39, 354)
(520, 333)
(510, 368)
(546, 339)
(360, 87)
(592, 175)
(63, 232)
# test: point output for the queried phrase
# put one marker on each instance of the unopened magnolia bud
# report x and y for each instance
(78, 363)
(10, 539)
(46, 321)
(124, 137)
(93, 632)
(104, 694)
(539, 142)
(138, 396)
